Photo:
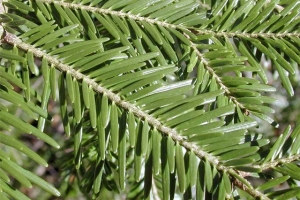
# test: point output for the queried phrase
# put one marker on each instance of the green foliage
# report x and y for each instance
(158, 98)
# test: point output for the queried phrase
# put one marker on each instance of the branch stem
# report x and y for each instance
(277, 162)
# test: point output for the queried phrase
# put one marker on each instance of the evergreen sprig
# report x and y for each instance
(158, 98)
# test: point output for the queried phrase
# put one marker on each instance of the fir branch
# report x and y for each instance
(168, 25)
(164, 24)
(237, 177)
(218, 80)
(183, 29)
(155, 123)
